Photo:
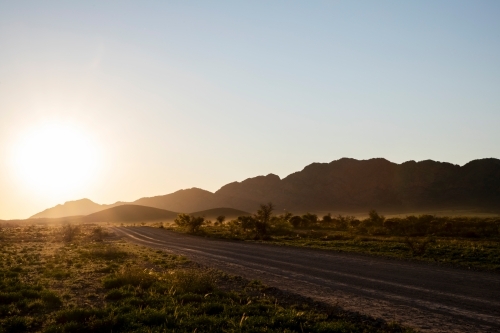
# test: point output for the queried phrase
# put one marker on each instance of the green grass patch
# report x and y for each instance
(466, 242)
(102, 285)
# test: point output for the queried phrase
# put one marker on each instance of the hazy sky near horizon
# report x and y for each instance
(147, 97)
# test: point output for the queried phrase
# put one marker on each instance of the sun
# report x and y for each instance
(55, 159)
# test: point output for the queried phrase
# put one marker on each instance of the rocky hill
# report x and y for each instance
(130, 213)
(352, 185)
(74, 208)
(346, 185)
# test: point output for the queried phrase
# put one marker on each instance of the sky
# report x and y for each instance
(117, 100)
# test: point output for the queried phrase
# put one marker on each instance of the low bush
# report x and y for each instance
(105, 253)
(192, 281)
(191, 224)
(99, 234)
(69, 232)
(51, 300)
(416, 247)
(132, 276)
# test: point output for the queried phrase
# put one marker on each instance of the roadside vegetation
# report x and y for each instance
(81, 278)
(469, 242)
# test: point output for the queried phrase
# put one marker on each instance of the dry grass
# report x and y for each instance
(101, 284)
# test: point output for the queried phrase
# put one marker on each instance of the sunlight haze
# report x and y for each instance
(55, 159)
(121, 100)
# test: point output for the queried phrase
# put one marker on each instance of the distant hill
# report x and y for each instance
(130, 213)
(71, 208)
(180, 201)
(227, 212)
(188, 200)
(345, 185)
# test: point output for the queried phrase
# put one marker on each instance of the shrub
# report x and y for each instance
(16, 324)
(190, 298)
(327, 218)
(116, 295)
(354, 223)
(246, 222)
(57, 273)
(309, 220)
(212, 309)
(129, 276)
(98, 234)
(51, 300)
(418, 248)
(280, 225)
(78, 315)
(191, 223)
(235, 228)
(192, 281)
(342, 222)
(392, 224)
(69, 232)
(377, 231)
(374, 219)
(296, 221)
(105, 253)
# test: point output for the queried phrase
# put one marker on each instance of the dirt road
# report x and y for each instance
(427, 297)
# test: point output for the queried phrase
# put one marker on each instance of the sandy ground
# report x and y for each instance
(427, 297)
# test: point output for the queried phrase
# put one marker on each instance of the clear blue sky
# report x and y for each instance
(177, 94)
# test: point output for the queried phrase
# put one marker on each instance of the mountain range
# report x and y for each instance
(345, 185)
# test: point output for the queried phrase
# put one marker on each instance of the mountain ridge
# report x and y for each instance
(346, 184)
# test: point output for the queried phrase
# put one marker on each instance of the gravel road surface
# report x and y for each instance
(427, 297)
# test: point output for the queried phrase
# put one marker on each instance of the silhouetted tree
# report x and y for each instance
(354, 223)
(220, 219)
(281, 224)
(246, 222)
(309, 219)
(191, 223)
(262, 220)
(296, 221)
(327, 218)
(374, 219)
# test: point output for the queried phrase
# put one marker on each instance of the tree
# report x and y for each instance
(262, 220)
(309, 219)
(327, 218)
(246, 222)
(286, 216)
(281, 224)
(220, 219)
(375, 219)
(341, 222)
(191, 223)
(296, 221)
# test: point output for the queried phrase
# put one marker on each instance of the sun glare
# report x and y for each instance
(55, 159)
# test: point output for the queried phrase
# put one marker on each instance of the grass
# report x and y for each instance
(466, 242)
(465, 253)
(89, 283)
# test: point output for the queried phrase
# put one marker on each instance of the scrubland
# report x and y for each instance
(467, 242)
(81, 278)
